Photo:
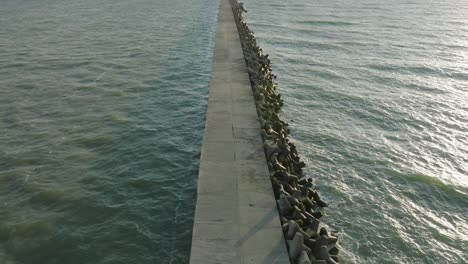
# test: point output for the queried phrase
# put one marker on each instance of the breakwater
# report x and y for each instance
(299, 204)
(236, 219)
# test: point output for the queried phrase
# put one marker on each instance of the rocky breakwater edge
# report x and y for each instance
(299, 204)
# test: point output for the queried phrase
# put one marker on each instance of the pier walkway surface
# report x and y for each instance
(236, 220)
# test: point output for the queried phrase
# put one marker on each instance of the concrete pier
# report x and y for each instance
(236, 219)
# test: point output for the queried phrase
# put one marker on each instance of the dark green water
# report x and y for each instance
(378, 95)
(102, 107)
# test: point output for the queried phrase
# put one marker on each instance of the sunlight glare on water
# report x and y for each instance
(376, 94)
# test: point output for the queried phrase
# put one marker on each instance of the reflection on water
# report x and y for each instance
(376, 94)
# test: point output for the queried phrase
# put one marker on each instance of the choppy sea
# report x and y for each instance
(376, 94)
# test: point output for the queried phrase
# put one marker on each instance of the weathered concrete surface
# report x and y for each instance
(236, 220)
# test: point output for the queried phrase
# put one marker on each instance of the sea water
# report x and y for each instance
(102, 107)
(376, 95)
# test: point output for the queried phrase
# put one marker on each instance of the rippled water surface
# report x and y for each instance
(102, 107)
(376, 93)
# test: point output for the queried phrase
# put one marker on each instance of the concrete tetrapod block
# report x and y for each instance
(304, 258)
